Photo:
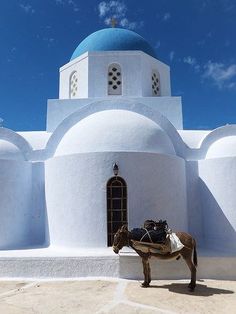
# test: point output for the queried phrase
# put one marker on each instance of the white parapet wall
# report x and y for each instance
(57, 263)
(60, 109)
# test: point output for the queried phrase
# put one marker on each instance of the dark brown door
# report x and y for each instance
(116, 206)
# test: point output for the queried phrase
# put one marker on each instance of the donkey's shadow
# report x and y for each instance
(200, 290)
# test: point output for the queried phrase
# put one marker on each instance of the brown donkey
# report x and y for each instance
(123, 237)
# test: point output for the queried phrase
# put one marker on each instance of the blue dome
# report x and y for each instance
(111, 39)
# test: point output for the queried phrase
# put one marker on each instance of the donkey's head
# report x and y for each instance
(120, 239)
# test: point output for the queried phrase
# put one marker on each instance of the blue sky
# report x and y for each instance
(196, 38)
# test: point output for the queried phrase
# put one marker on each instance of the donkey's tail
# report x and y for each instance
(194, 253)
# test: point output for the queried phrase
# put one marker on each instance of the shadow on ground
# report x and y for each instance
(200, 290)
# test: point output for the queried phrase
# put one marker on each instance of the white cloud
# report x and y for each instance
(232, 85)
(70, 3)
(117, 10)
(192, 62)
(113, 8)
(220, 74)
(171, 55)
(189, 60)
(130, 25)
(103, 9)
(166, 16)
(27, 8)
(73, 5)
(49, 41)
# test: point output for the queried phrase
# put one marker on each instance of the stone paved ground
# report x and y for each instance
(116, 296)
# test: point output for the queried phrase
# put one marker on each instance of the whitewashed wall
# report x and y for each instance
(131, 75)
(136, 68)
(194, 202)
(223, 147)
(16, 204)
(60, 109)
(148, 64)
(217, 187)
(39, 224)
(80, 65)
(76, 194)
(115, 130)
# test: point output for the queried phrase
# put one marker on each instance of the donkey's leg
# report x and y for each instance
(149, 273)
(146, 272)
(188, 259)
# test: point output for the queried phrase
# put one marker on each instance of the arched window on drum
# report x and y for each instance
(155, 83)
(73, 85)
(116, 206)
(114, 79)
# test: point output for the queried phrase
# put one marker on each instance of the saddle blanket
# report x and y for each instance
(171, 245)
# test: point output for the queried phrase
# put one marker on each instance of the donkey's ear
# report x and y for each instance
(124, 228)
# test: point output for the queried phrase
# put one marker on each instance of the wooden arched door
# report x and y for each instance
(116, 206)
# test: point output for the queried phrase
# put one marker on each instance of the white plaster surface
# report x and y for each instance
(10, 151)
(195, 213)
(212, 267)
(157, 194)
(56, 262)
(224, 147)
(193, 138)
(214, 136)
(59, 109)
(16, 203)
(92, 68)
(53, 183)
(17, 140)
(146, 111)
(217, 180)
(80, 65)
(39, 226)
(115, 130)
(37, 139)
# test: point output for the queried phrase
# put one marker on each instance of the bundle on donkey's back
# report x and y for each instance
(152, 231)
(155, 237)
(157, 240)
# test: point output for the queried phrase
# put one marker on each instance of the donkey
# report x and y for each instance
(123, 237)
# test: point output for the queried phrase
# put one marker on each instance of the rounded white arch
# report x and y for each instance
(17, 140)
(130, 132)
(179, 146)
(215, 136)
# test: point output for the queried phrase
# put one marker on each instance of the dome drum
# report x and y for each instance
(87, 73)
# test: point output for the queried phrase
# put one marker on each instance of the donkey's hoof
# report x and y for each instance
(145, 285)
(191, 287)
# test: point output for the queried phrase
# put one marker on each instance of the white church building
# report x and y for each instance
(114, 151)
